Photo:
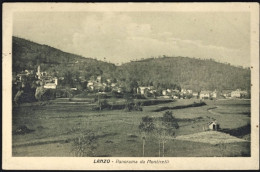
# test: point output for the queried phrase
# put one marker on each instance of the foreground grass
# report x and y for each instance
(55, 127)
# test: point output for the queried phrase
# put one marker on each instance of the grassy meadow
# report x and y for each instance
(54, 128)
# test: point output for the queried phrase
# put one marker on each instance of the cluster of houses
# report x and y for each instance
(223, 94)
(45, 80)
(40, 78)
(208, 94)
(23, 76)
(238, 93)
(101, 85)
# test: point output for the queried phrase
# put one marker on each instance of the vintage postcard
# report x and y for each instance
(130, 86)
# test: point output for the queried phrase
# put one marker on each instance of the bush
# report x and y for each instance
(101, 104)
(133, 106)
(147, 124)
(85, 145)
(169, 120)
(115, 94)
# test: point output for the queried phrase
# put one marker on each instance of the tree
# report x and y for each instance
(130, 85)
(146, 126)
(128, 101)
(168, 125)
(101, 104)
(158, 135)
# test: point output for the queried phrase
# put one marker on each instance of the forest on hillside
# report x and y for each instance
(28, 55)
(164, 72)
(188, 73)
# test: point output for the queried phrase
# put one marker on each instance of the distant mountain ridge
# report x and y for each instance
(165, 72)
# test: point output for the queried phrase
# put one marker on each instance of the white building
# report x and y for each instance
(213, 125)
(236, 94)
(195, 94)
(50, 86)
(214, 94)
(205, 94)
(164, 92)
(99, 79)
(189, 91)
(142, 90)
(90, 85)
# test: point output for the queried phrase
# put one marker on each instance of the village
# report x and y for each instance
(44, 80)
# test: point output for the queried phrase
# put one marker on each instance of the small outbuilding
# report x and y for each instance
(213, 125)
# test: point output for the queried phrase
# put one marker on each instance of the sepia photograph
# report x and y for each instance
(124, 85)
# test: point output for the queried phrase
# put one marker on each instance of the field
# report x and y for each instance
(56, 129)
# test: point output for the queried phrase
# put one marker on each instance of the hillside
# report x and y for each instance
(165, 72)
(189, 73)
(28, 55)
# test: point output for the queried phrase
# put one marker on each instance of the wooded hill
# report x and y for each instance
(164, 72)
(189, 73)
(28, 55)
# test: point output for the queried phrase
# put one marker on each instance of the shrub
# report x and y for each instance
(101, 104)
(169, 120)
(85, 145)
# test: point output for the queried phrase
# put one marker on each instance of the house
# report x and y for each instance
(195, 94)
(97, 86)
(226, 93)
(213, 125)
(204, 94)
(183, 90)
(120, 89)
(236, 94)
(175, 91)
(164, 92)
(90, 85)
(109, 81)
(214, 94)
(113, 84)
(99, 79)
(243, 94)
(175, 97)
(56, 80)
(50, 86)
(21, 77)
(165, 97)
(189, 91)
(169, 90)
(142, 90)
(29, 72)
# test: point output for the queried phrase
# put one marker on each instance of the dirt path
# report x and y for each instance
(210, 110)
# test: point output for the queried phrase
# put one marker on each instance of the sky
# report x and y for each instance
(120, 37)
